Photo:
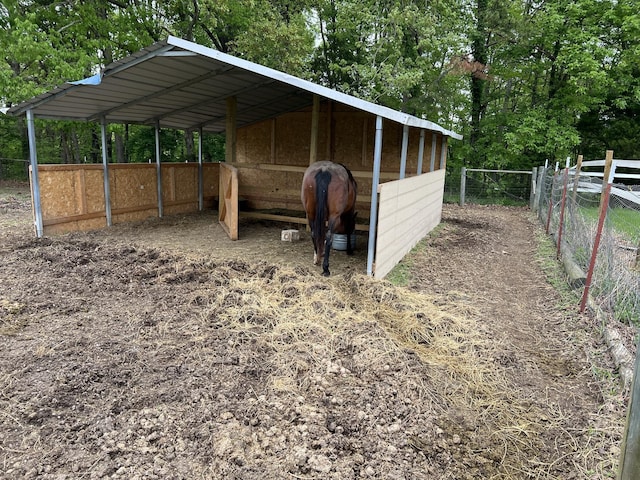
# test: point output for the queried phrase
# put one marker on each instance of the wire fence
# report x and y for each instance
(483, 186)
(14, 169)
(597, 222)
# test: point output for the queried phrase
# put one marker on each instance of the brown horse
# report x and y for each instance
(329, 198)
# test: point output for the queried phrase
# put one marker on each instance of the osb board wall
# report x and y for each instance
(345, 135)
(409, 209)
(72, 196)
(133, 192)
(76, 194)
(254, 143)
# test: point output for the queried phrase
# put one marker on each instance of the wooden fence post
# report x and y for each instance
(607, 179)
(630, 456)
(463, 185)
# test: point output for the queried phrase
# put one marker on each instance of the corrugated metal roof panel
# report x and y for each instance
(184, 85)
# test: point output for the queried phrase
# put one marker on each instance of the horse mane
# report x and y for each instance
(323, 179)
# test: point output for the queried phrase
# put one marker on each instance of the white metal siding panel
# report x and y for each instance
(409, 209)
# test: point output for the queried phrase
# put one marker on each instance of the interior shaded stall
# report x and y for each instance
(275, 126)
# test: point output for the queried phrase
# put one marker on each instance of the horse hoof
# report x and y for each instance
(326, 273)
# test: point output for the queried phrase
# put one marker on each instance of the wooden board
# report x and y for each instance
(228, 205)
(72, 196)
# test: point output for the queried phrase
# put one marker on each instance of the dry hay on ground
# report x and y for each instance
(227, 369)
(122, 361)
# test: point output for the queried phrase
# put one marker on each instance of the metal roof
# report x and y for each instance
(184, 85)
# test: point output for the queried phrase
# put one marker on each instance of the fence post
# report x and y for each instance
(540, 187)
(576, 180)
(562, 205)
(630, 456)
(463, 185)
(534, 181)
(609, 171)
(553, 185)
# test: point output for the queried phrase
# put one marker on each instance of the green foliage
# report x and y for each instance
(279, 39)
(523, 81)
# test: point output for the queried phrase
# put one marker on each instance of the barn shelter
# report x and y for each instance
(275, 126)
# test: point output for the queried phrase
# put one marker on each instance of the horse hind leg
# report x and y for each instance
(327, 249)
(349, 247)
(315, 249)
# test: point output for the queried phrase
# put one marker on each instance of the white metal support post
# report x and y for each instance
(403, 153)
(420, 152)
(33, 158)
(105, 171)
(200, 173)
(159, 170)
(373, 215)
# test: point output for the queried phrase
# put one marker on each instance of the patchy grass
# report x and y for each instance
(401, 273)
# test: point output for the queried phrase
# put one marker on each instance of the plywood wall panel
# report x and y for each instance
(72, 196)
(133, 185)
(253, 143)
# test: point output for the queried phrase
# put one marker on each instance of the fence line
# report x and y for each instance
(614, 248)
(515, 188)
(14, 169)
(598, 227)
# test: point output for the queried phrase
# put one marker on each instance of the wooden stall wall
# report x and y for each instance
(72, 196)
(272, 155)
(409, 209)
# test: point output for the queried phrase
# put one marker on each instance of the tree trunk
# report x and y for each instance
(120, 153)
(189, 144)
(95, 146)
(478, 82)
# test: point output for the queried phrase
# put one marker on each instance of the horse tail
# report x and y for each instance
(323, 179)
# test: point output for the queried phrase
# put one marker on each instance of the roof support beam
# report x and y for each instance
(128, 63)
(35, 184)
(231, 133)
(315, 119)
(273, 101)
(159, 93)
(105, 171)
(373, 215)
(212, 101)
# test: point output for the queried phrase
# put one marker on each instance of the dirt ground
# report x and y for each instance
(164, 350)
